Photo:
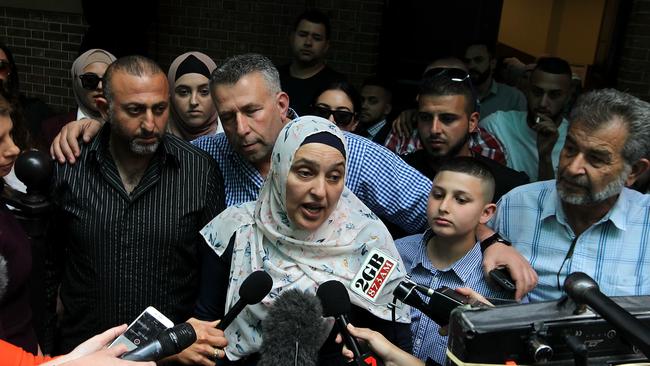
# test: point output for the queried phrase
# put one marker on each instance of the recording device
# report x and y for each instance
(293, 331)
(169, 342)
(442, 301)
(555, 332)
(584, 290)
(336, 303)
(254, 288)
(501, 277)
(144, 328)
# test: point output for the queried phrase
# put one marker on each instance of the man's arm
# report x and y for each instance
(387, 185)
(499, 254)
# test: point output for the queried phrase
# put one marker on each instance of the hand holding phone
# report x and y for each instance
(501, 277)
(145, 327)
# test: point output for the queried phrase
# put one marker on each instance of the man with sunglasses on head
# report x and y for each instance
(586, 220)
(533, 139)
(446, 119)
(481, 142)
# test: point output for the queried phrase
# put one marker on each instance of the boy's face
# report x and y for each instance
(457, 204)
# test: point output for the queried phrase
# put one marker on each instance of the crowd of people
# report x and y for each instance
(169, 189)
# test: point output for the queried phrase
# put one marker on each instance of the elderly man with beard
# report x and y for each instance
(587, 220)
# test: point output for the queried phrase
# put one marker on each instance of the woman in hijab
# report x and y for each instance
(87, 85)
(306, 228)
(193, 114)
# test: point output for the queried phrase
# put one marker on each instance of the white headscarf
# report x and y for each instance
(296, 259)
(85, 59)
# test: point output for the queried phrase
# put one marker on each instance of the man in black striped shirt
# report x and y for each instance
(130, 211)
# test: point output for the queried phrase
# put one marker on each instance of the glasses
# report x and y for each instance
(341, 118)
(4, 67)
(90, 81)
(453, 73)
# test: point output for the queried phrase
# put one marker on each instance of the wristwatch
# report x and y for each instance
(494, 238)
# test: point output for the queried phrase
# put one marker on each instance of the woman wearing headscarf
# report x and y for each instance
(306, 228)
(87, 85)
(193, 114)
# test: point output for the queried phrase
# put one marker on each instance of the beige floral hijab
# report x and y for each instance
(265, 239)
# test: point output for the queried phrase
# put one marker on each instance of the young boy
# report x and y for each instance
(448, 253)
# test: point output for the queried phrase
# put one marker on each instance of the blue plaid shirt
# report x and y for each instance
(384, 182)
(466, 272)
(615, 251)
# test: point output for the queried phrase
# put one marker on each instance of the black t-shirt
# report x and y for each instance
(303, 91)
(505, 178)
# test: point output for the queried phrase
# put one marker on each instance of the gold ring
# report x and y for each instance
(217, 352)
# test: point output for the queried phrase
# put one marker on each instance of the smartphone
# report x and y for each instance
(145, 327)
(502, 277)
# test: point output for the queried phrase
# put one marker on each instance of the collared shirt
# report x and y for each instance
(466, 272)
(124, 252)
(386, 184)
(481, 142)
(520, 141)
(374, 129)
(502, 97)
(615, 251)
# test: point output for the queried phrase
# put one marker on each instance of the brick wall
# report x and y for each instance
(634, 69)
(46, 43)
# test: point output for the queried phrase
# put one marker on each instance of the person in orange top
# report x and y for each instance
(91, 352)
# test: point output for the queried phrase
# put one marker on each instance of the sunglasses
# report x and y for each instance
(341, 118)
(89, 81)
(456, 75)
(4, 67)
(452, 73)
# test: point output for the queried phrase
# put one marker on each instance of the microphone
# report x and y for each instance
(441, 303)
(254, 288)
(293, 331)
(584, 290)
(336, 302)
(169, 342)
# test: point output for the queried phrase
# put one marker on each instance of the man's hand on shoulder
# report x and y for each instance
(65, 146)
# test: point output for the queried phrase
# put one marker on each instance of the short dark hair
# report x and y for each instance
(345, 87)
(381, 82)
(437, 82)
(489, 46)
(135, 65)
(314, 16)
(471, 166)
(554, 65)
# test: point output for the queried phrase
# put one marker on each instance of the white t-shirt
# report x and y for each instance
(520, 141)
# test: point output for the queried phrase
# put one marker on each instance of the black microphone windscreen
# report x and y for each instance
(293, 330)
(578, 284)
(177, 338)
(334, 297)
(255, 287)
